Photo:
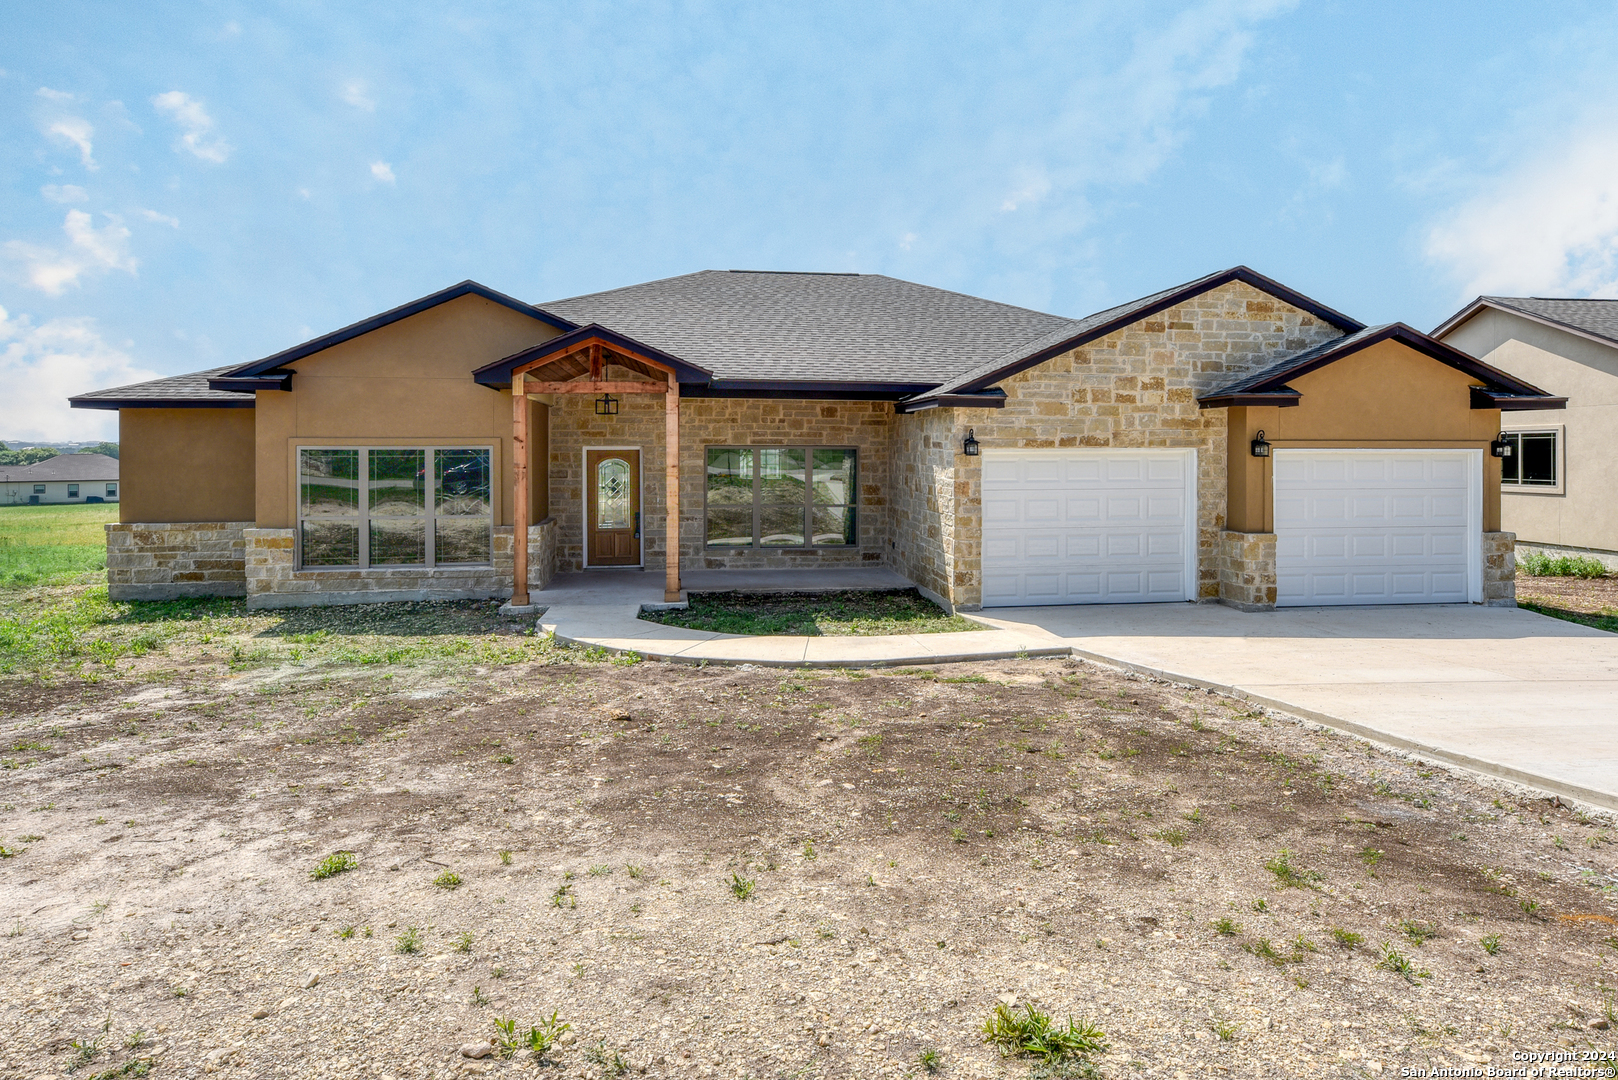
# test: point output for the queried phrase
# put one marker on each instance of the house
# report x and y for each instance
(1228, 440)
(1559, 488)
(65, 478)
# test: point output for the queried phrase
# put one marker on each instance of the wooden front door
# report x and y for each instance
(612, 507)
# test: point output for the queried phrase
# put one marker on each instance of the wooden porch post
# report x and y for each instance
(519, 493)
(671, 450)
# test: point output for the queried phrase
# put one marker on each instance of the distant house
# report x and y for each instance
(1559, 487)
(65, 478)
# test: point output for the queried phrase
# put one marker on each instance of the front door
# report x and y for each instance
(612, 507)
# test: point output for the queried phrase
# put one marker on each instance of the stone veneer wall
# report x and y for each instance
(273, 579)
(865, 425)
(928, 468)
(1247, 570)
(1500, 569)
(166, 560)
(1137, 387)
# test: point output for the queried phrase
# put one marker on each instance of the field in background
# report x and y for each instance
(53, 545)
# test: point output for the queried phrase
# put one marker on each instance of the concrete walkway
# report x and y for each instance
(602, 609)
(1499, 690)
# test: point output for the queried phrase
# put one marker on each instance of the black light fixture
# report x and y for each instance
(970, 446)
(606, 405)
(1260, 447)
(1500, 447)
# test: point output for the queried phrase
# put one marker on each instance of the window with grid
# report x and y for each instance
(1532, 461)
(394, 506)
(774, 496)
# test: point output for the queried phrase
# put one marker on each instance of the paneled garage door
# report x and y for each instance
(1094, 526)
(1378, 526)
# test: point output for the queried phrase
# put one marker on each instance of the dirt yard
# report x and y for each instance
(1584, 596)
(744, 872)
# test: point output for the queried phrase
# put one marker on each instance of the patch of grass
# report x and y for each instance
(1226, 1031)
(634, 871)
(463, 942)
(1370, 856)
(1397, 962)
(1418, 932)
(1346, 938)
(137, 1067)
(1490, 943)
(1030, 1032)
(839, 614)
(409, 942)
(1532, 908)
(449, 879)
(505, 856)
(600, 870)
(1291, 876)
(1264, 950)
(345, 933)
(1173, 836)
(930, 1060)
(563, 897)
(336, 863)
(612, 1063)
(1227, 927)
(53, 545)
(1539, 564)
(1609, 623)
(742, 887)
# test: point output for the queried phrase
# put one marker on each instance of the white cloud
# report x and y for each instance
(356, 94)
(42, 366)
(161, 219)
(53, 95)
(77, 131)
(1034, 187)
(1546, 227)
(64, 193)
(196, 126)
(382, 171)
(88, 250)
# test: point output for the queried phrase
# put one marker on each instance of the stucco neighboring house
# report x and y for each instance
(1560, 487)
(1229, 439)
(65, 478)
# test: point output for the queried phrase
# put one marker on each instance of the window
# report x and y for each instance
(39, 489)
(394, 506)
(1533, 460)
(73, 491)
(772, 496)
(112, 491)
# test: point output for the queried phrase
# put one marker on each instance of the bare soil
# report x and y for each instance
(1585, 596)
(921, 843)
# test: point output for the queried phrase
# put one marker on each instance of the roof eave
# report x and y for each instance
(1485, 398)
(270, 380)
(1482, 302)
(994, 398)
(1284, 398)
(246, 402)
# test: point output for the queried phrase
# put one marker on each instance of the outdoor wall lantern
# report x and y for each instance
(606, 405)
(1500, 447)
(970, 446)
(1260, 447)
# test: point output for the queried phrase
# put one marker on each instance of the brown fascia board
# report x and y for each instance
(1482, 302)
(1484, 398)
(993, 398)
(498, 374)
(247, 402)
(1191, 289)
(270, 380)
(1284, 398)
(404, 311)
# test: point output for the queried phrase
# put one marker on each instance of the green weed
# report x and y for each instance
(1490, 943)
(1346, 938)
(1397, 962)
(449, 879)
(1029, 1032)
(742, 887)
(1290, 876)
(409, 942)
(336, 863)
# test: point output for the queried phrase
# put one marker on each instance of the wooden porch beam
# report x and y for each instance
(519, 493)
(587, 386)
(671, 483)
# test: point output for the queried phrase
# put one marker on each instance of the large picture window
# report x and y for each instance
(772, 497)
(1533, 459)
(394, 506)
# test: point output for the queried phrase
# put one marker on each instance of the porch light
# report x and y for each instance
(1260, 447)
(606, 405)
(1500, 447)
(970, 446)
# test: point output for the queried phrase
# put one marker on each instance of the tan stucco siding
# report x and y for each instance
(1583, 512)
(1385, 397)
(406, 384)
(185, 465)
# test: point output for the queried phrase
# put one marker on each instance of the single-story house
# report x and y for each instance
(1559, 487)
(1229, 439)
(65, 478)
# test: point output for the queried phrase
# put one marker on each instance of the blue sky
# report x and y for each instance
(193, 185)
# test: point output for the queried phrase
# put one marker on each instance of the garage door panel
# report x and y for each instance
(1122, 534)
(1368, 527)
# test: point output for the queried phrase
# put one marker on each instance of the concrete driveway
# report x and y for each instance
(1500, 690)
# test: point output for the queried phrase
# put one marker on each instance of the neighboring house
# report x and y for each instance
(993, 455)
(65, 478)
(1560, 486)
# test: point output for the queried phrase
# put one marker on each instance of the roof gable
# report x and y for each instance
(1595, 320)
(1268, 387)
(1079, 332)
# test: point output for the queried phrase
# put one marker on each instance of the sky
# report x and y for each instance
(184, 186)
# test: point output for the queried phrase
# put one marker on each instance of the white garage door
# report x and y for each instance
(1378, 526)
(1088, 526)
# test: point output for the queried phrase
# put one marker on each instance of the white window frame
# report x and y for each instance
(1508, 487)
(809, 450)
(363, 518)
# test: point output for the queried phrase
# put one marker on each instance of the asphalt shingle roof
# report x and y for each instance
(744, 324)
(1598, 317)
(178, 389)
(67, 467)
